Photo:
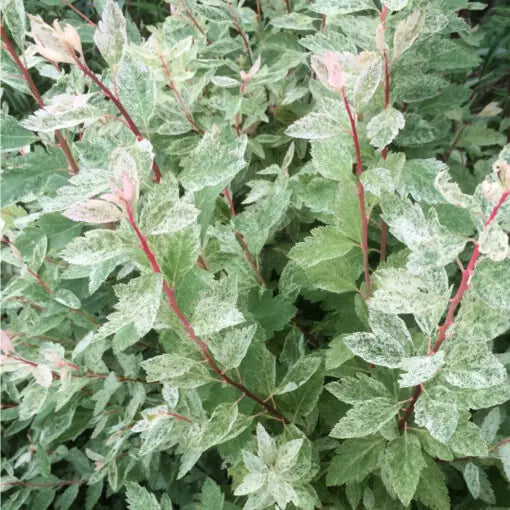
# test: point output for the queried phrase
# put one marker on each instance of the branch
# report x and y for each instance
(361, 195)
(62, 142)
(454, 303)
(241, 33)
(188, 328)
(111, 96)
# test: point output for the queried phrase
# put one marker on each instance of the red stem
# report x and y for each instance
(454, 303)
(109, 94)
(79, 13)
(190, 332)
(288, 7)
(184, 108)
(361, 196)
(455, 142)
(195, 22)
(241, 33)
(62, 142)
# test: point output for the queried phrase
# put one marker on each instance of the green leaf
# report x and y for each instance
(136, 90)
(139, 498)
(471, 475)
(325, 243)
(298, 374)
(504, 455)
(489, 283)
(368, 79)
(407, 32)
(211, 497)
(110, 36)
(381, 350)
(180, 252)
(355, 390)
(403, 463)
(467, 442)
(164, 212)
(354, 460)
(480, 136)
(168, 366)
(420, 178)
(472, 365)
(432, 490)
(436, 410)
(216, 160)
(216, 310)
(63, 111)
(14, 136)
(493, 242)
(67, 298)
(384, 127)
(420, 369)
(332, 160)
(365, 418)
(230, 348)
(139, 301)
(14, 15)
(94, 247)
(266, 446)
(333, 7)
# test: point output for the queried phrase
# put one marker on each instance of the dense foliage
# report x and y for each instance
(255, 255)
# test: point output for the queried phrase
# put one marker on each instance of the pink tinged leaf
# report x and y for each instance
(93, 211)
(128, 193)
(336, 77)
(6, 346)
(379, 37)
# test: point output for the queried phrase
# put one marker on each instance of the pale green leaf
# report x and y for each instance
(379, 349)
(167, 366)
(368, 79)
(504, 455)
(490, 283)
(211, 497)
(493, 242)
(333, 7)
(63, 111)
(93, 211)
(265, 445)
(216, 160)
(67, 298)
(365, 418)
(436, 410)
(432, 490)
(136, 90)
(467, 442)
(354, 390)
(472, 365)
(94, 247)
(14, 16)
(332, 160)
(420, 369)
(407, 32)
(230, 347)
(110, 35)
(384, 127)
(298, 374)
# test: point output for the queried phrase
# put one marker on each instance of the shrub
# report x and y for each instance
(254, 256)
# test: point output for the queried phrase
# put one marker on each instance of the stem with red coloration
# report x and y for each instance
(241, 33)
(190, 332)
(454, 303)
(62, 142)
(361, 195)
(111, 96)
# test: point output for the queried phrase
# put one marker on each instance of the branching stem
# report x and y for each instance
(454, 303)
(188, 328)
(62, 142)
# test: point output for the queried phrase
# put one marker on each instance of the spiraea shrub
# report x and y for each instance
(255, 256)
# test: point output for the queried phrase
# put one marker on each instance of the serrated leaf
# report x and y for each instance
(381, 350)
(432, 490)
(384, 127)
(467, 442)
(164, 212)
(436, 410)
(354, 390)
(63, 111)
(420, 369)
(354, 460)
(216, 160)
(139, 498)
(407, 32)
(365, 418)
(490, 283)
(403, 463)
(230, 347)
(94, 247)
(211, 497)
(110, 36)
(93, 211)
(332, 160)
(136, 90)
(298, 374)
(471, 475)
(472, 365)
(14, 136)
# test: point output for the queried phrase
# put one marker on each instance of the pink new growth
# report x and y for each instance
(336, 77)
(124, 196)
